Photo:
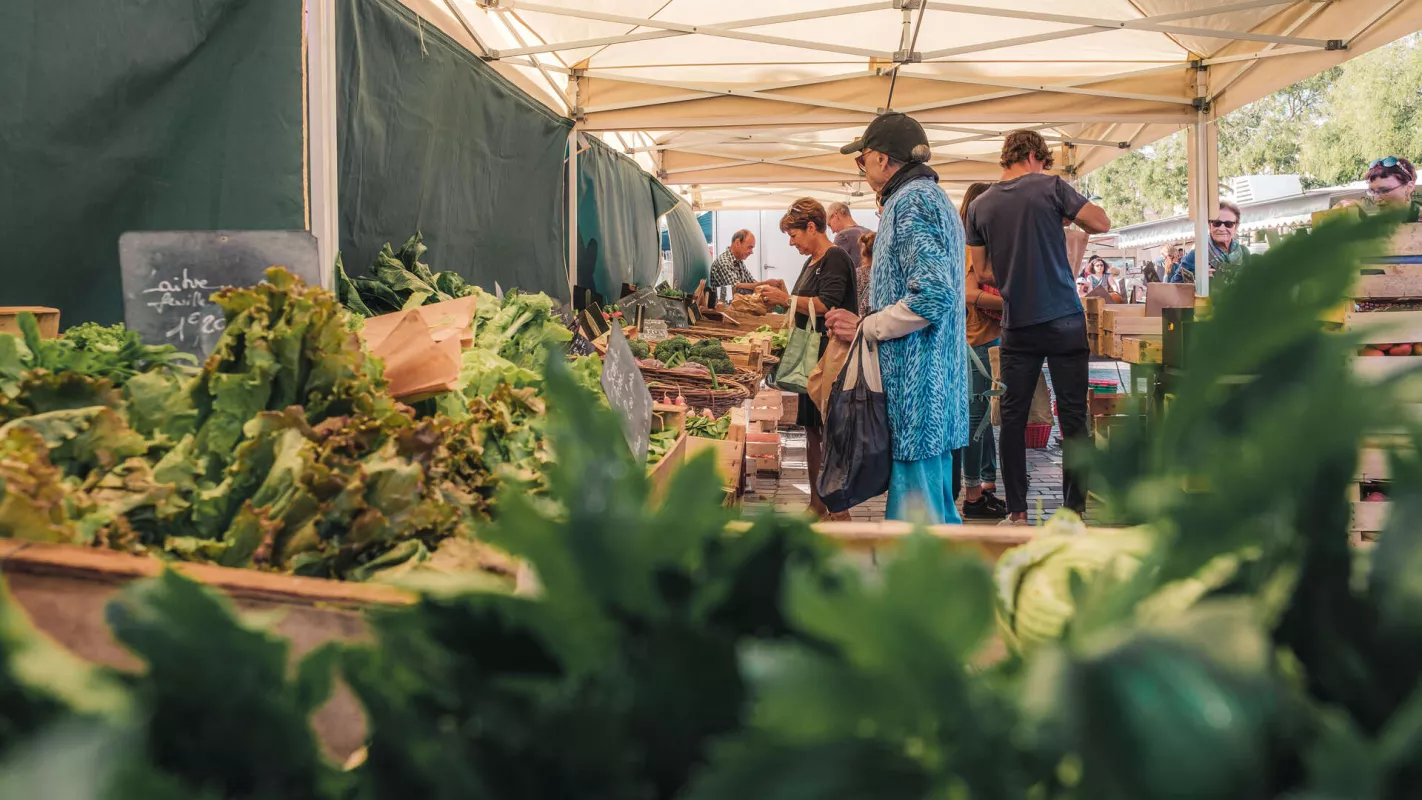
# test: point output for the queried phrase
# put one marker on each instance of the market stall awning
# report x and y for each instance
(732, 97)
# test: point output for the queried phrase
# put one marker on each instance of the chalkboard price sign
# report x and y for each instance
(627, 393)
(169, 276)
(674, 312)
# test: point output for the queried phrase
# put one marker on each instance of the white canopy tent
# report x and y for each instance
(744, 109)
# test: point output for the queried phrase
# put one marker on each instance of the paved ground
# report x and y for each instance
(790, 491)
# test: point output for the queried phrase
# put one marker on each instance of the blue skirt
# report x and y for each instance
(922, 492)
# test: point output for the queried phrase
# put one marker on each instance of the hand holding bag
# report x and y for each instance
(823, 378)
(802, 352)
(859, 447)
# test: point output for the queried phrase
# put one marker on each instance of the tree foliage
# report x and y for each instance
(1326, 129)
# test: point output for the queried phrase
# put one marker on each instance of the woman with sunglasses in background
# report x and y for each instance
(1391, 182)
(1226, 253)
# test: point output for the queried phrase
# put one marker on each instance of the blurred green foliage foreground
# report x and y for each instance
(1247, 652)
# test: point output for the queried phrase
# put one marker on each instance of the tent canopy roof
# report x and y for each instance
(745, 102)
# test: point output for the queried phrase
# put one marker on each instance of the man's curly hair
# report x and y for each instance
(1020, 144)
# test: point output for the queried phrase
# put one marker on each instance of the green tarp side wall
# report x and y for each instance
(618, 208)
(140, 115)
(432, 139)
(691, 262)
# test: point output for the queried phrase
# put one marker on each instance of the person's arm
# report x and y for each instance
(1092, 219)
(978, 260)
(1087, 215)
(974, 296)
(981, 265)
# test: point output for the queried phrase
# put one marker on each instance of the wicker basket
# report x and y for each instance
(717, 401)
(1038, 435)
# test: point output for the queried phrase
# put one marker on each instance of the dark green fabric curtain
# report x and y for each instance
(140, 115)
(433, 139)
(618, 208)
(691, 261)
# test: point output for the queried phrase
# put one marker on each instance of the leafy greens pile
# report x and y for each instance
(284, 452)
(400, 281)
(667, 659)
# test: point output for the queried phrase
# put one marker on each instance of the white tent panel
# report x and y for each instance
(744, 102)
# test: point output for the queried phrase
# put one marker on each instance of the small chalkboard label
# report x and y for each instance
(674, 312)
(169, 277)
(627, 393)
(654, 330)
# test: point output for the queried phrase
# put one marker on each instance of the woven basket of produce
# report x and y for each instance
(719, 401)
(691, 377)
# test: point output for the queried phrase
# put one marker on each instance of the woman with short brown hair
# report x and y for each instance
(826, 282)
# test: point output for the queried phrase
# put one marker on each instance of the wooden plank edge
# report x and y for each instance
(107, 566)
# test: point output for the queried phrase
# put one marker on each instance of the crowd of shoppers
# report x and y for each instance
(936, 289)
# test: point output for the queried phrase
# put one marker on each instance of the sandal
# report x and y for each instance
(840, 516)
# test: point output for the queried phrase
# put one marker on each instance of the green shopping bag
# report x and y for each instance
(802, 352)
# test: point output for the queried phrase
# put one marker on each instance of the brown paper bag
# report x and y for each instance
(1041, 410)
(826, 371)
(415, 364)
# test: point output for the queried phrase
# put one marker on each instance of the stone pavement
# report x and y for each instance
(790, 491)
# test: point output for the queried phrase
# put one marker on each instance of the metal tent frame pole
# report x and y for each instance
(323, 209)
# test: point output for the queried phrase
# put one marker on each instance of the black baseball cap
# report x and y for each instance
(895, 135)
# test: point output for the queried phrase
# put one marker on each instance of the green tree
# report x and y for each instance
(1326, 129)
(1144, 184)
(1374, 109)
(1265, 137)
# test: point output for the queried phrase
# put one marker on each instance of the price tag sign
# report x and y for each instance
(627, 393)
(654, 330)
(169, 278)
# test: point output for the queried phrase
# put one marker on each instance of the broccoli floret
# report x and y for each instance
(640, 349)
(710, 348)
(676, 345)
(720, 366)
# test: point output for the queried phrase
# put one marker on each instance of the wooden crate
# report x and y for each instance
(668, 417)
(1396, 282)
(1142, 349)
(1137, 326)
(65, 589)
(661, 472)
(1111, 345)
(1093, 306)
(729, 455)
(1376, 369)
(789, 408)
(766, 407)
(1384, 327)
(48, 319)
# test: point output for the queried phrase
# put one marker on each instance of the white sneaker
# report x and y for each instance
(1014, 523)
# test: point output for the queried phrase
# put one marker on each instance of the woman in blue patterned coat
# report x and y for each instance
(916, 294)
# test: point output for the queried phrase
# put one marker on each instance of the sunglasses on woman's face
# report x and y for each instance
(1223, 223)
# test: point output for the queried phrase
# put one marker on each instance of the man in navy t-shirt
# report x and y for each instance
(1017, 240)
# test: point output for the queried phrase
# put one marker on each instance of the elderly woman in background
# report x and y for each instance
(826, 283)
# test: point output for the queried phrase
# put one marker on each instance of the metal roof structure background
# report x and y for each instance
(745, 104)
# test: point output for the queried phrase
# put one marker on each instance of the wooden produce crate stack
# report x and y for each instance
(668, 417)
(1386, 311)
(730, 454)
(1094, 306)
(762, 434)
(1118, 321)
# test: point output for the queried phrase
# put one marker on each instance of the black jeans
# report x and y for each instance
(1062, 342)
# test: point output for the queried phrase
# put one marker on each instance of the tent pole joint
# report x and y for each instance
(1336, 44)
(907, 5)
(1201, 104)
(908, 57)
